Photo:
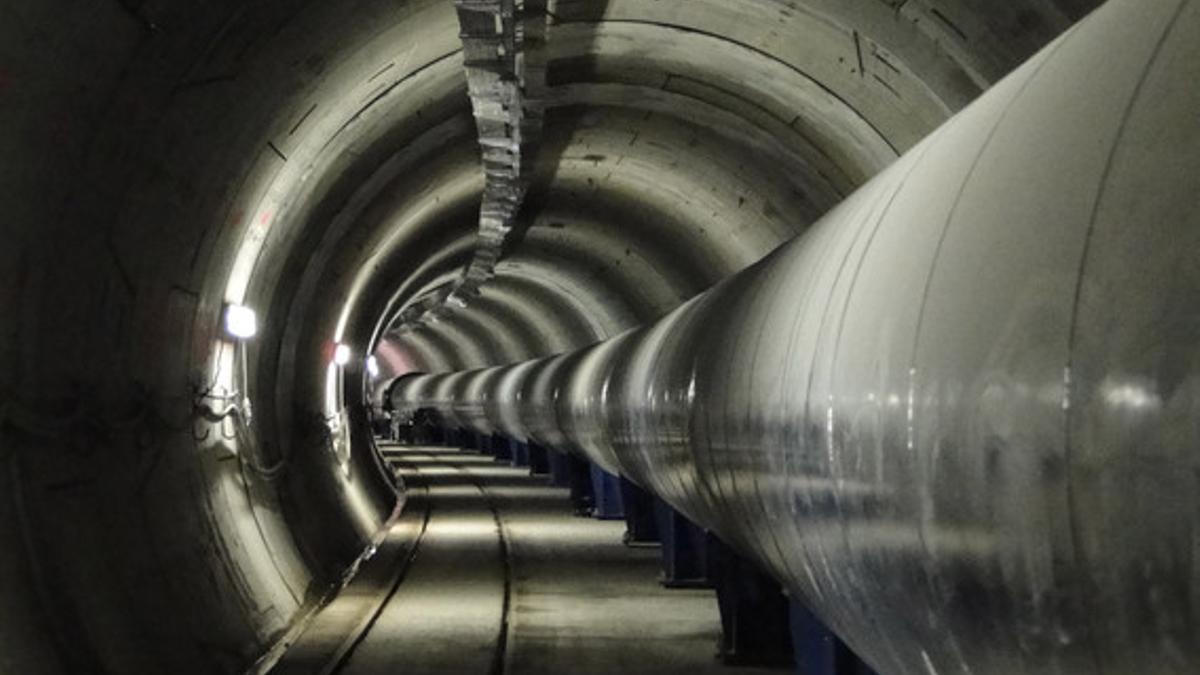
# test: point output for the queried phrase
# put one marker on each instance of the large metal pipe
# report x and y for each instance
(961, 415)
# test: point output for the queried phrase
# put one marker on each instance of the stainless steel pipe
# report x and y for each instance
(961, 415)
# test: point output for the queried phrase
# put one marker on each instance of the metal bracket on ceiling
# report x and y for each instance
(503, 55)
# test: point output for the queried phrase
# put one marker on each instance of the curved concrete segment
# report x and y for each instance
(958, 416)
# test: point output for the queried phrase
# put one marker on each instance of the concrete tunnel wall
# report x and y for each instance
(316, 161)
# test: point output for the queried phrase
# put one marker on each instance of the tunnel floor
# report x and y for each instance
(488, 571)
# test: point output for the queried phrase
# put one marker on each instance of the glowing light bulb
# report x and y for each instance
(241, 322)
(341, 354)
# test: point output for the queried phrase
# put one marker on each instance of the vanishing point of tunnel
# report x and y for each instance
(834, 337)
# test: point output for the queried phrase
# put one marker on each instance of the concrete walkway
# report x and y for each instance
(504, 579)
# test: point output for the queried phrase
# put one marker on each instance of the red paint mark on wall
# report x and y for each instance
(394, 357)
(328, 350)
(264, 218)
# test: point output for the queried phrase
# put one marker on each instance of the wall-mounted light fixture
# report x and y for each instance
(373, 366)
(341, 354)
(240, 321)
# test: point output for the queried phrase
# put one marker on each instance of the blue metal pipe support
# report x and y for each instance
(539, 459)
(684, 549)
(606, 495)
(502, 448)
(520, 453)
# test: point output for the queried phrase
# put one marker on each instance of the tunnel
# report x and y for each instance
(899, 299)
